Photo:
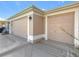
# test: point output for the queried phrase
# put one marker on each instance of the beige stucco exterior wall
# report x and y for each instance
(19, 27)
(65, 21)
(38, 25)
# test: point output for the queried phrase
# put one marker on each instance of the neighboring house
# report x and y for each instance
(61, 24)
(2, 22)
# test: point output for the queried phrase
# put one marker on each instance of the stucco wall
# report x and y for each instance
(55, 23)
(19, 27)
(38, 25)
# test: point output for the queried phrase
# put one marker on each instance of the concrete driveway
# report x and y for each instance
(12, 46)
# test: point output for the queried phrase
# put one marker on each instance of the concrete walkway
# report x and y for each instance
(12, 46)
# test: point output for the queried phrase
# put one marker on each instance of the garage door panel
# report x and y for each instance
(57, 23)
(19, 27)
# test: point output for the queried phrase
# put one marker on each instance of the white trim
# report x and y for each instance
(46, 38)
(32, 26)
(4, 20)
(28, 29)
(76, 28)
(30, 39)
(10, 27)
(26, 14)
(38, 14)
(36, 37)
(61, 12)
(30, 36)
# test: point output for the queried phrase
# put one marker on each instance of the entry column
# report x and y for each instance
(76, 28)
(30, 28)
(10, 27)
(46, 37)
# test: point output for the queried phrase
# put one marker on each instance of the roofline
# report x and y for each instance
(69, 6)
(3, 20)
(31, 8)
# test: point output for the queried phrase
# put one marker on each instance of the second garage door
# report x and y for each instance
(57, 23)
(19, 27)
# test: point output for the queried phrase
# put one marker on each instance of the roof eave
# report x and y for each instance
(26, 11)
(63, 8)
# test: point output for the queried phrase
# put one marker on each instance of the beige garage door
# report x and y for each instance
(61, 27)
(19, 27)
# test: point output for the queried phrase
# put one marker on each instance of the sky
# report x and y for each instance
(10, 8)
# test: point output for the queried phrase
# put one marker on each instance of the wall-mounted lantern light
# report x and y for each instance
(30, 18)
(8, 22)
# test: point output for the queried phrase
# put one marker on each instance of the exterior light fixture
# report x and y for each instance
(30, 18)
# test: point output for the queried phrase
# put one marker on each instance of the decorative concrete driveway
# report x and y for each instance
(12, 46)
